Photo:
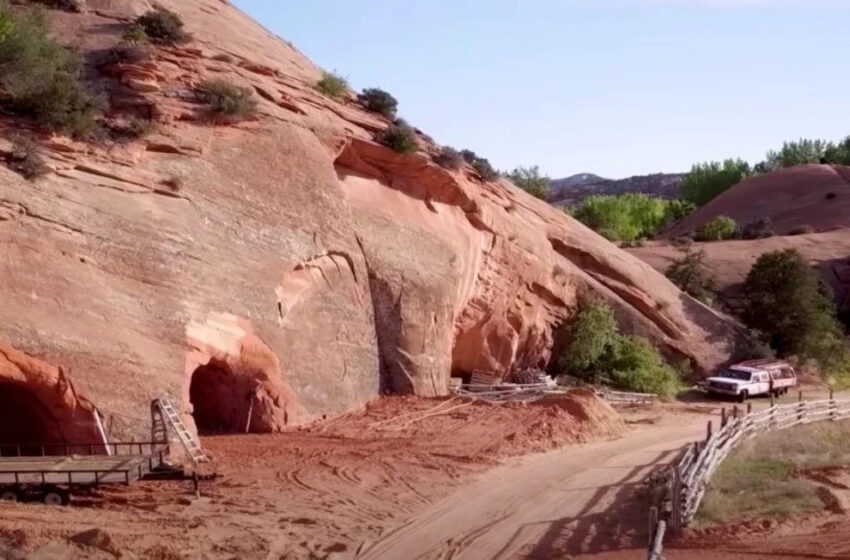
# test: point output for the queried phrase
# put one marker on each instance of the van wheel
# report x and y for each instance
(9, 495)
(742, 396)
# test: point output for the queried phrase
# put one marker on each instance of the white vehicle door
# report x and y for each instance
(762, 383)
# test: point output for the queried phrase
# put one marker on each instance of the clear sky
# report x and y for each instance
(613, 87)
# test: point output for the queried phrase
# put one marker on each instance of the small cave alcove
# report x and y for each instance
(25, 419)
(221, 400)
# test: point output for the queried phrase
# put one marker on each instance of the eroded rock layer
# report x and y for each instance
(290, 259)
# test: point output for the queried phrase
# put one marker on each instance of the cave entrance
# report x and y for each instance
(221, 400)
(24, 419)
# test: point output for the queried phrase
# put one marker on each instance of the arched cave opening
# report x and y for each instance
(221, 400)
(24, 419)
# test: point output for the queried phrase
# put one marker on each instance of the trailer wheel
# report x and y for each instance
(55, 496)
(9, 494)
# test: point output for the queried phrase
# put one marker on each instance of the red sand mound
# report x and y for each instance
(817, 196)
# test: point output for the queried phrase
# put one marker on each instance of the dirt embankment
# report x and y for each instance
(319, 492)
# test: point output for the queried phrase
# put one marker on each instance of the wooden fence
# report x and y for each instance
(679, 489)
(622, 398)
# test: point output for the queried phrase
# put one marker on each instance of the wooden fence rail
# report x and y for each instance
(682, 485)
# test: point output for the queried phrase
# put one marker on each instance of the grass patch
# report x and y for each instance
(225, 102)
(333, 85)
(759, 479)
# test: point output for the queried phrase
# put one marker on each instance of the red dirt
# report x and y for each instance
(817, 196)
(316, 491)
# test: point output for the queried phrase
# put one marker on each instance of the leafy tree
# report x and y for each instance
(592, 334)
(796, 153)
(786, 302)
(480, 164)
(163, 27)
(400, 137)
(597, 351)
(838, 153)
(42, 79)
(449, 158)
(708, 180)
(718, 229)
(379, 101)
(332, 85)
(226, 102)
(630, 216)
(530, 180)
(692, 276)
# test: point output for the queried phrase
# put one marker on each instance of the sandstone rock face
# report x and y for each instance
(290, 261)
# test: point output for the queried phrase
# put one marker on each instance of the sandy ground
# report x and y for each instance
(420, 479)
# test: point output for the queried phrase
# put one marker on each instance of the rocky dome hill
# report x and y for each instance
(289, 265)
(805, 197)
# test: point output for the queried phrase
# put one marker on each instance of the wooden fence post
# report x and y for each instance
(653, 525)
(772, 413)
(801, 410)
(832, 407)
(708, 432)
(723, 418)
(676, 518)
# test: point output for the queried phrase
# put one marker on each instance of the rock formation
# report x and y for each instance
(290, 261)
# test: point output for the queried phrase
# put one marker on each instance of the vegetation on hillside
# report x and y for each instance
(805, 151)
(332, 85)
(449, 158)
(762, 478)
(379, 101)
(225, 102)
(708, 180)
(40, 78)
(692, 276)
(480, 164)
(598, 352)
(718, 229)
(785, 301)
(400, 137)
(530, 180)
(629, 217)
(162, 27)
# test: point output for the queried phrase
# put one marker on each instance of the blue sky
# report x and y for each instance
(614, 87)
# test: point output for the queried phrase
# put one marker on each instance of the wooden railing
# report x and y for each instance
(622, 398)
(679, 489)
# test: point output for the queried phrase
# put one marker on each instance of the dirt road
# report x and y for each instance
(574, 501)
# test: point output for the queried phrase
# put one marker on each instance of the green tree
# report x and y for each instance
(838, 153)
(598, 352)
(630, 216)
(718, 229)
(379, 101)
(530, 180)
(785, 301)
(800, 152)
(692, 276)
(708, 180)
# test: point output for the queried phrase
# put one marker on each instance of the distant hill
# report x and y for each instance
(572, 190)
(811, 196)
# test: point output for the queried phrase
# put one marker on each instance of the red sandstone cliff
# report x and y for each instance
(300, 268)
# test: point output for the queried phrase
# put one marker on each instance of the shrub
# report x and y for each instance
(480, 164)
(226, 102)
(718, 229)
(530, 180)
(379, 101)
(332, 85)
(801, 230)
(785, 301)
(760, 229)
(163, 27)
(691, 275)
(627, 217)
(678, 209)
(69, 5)
(27, 160)
(133, 128)
(400, 138)
(597, 351)
(449, 158)
(42, 79)
(708, 180)
(134, 35)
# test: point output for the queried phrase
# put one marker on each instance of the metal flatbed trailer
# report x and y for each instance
(51, 478)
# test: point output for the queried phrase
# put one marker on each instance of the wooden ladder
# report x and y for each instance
(163, 415)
